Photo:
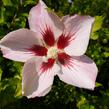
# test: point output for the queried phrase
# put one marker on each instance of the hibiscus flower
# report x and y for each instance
(52, 46)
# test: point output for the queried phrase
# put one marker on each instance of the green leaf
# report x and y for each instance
(94, 36)
(106, 54)
(98, 84)
(97, 23)
(0, 73)
(10, 90)
(18, 91)
(28, 2)
(7, 2)
(81, 102)
(87, 106)
(2, 15)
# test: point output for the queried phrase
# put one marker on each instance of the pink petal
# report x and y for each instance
(16, 55)
(81, 72)
(15, 45)
(39, 18)
(65, 19)
(34, 81)
(80, 28)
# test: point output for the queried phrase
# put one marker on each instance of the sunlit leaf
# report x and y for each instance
(98, 84)
(96, 26)
(106, 54)
(7, 2)
(28, 2)
(81, 102)
(2, 15)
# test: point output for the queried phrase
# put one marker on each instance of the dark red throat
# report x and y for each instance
(47, 65)
(48, 36)
(38, 50)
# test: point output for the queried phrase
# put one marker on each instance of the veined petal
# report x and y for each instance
(16, 55)
(81, 73)
(15, 44)
(34, 81)
(65, 19)
(80, 27)
(58, 24)
(40, 18)
(38, 50)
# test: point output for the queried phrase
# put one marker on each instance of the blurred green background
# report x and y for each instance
(14, 15)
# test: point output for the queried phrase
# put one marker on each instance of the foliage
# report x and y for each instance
(14, 15)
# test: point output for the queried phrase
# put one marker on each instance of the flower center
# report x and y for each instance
(52, 52)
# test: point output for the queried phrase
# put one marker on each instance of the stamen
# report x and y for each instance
(52, 52)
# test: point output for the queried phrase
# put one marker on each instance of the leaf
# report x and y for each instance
(10, 90)
(94, 36)
(2, 11)
(18, 91)
(7, 2)
(106, 54)
(0, 73)
(87, 106)
(28, 2)
(81, 102)
(98, 23)
(98, 84)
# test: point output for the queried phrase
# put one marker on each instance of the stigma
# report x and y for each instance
(52, 52)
